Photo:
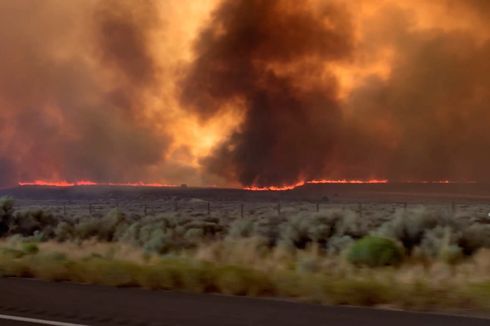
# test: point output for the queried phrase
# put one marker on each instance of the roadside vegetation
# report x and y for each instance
(417, 259)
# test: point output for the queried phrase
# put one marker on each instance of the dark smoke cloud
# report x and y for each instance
(427, 121)
(122, 35)
(73, 75)
(436, 104)
(87, 90)
(263, 54)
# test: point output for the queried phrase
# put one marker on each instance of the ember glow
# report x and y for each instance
(302, 183)
(41, 183)
(244, 93)
(346, 181)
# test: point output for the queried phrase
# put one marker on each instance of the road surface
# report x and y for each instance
(29, 302)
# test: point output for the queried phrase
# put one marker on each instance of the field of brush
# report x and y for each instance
(417, 248)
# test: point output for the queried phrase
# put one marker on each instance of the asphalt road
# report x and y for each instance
(66, 304)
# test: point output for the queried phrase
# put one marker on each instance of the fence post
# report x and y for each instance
(145, 210)
(317, 207)
(209, 208)
(64, 210)
(241, 210)
(176, 205)
(453, 208)
(360, 210)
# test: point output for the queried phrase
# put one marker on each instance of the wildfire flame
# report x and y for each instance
(43, 183)
(347, 181)
(302, 183)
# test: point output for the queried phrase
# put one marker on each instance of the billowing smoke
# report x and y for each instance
(73, 77)
(429, 119)
(424, 120)
(269, 57)
(251, 92)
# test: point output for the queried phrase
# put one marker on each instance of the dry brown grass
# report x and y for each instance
(248, 268)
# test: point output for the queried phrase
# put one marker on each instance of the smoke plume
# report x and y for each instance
(269, 58)
(72, 82)
(244, 92)
(426, 119)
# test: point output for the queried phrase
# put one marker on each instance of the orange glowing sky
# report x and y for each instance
(181, 141)
(201, 137)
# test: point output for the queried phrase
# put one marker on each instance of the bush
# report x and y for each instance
(87, 228)
(6, 214)
(300, 231)
(338, 244)
(110, 225)
(349, 224)
(440, 243)
(49, 266)
(375, 251)
(30, 248)
(241, 229)
(63, 232)
(31, 222)
(158, 242)
(409, 227)
(475, 237)
(194, 235)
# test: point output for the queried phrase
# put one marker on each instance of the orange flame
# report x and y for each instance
(349, 181)
(302, 183)
(43, 183)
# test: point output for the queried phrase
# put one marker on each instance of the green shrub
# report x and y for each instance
(87, 228)
(6, 206)
(31, 222)
(440, 243)
(50, 266)
(409, 227)
(349, 224)
(475, 237)
(158, 242)
(194, 234)
(6, 214)
(30, 248)
(300, 231)
(241, 229)
(63, 231)
(338, 244)
(10, 253)
(375, 251)
(110, 223)
(451, 254)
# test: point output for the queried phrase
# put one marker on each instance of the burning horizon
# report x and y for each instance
(63, 184)
(260, 94)
(68, 184)
(44, 183)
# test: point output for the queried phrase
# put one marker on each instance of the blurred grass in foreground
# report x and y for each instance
(248, 267)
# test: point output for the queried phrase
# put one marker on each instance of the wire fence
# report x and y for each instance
(237, 209)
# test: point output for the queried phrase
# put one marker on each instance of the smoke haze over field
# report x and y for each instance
(250, 92)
